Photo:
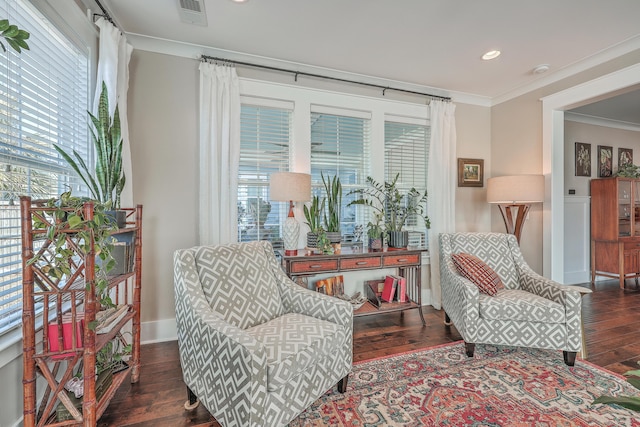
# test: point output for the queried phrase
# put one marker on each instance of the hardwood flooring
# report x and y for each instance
(157, 400)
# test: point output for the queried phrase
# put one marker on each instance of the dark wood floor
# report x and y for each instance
(157, 400)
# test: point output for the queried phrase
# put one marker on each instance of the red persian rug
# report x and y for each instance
(500, 386)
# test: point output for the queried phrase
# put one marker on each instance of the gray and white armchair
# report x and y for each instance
(255, 348)
(531, 311)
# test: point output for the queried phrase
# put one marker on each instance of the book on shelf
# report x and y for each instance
(389, 291)
(401, 289)
(109, 318)
(373, 290)
(67, 333)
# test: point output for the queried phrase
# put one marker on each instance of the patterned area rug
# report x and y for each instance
(500, 386)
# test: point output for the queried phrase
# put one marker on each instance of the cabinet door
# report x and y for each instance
(624, 207)
(635, 212)
(631, 264)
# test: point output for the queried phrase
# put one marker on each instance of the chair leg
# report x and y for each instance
(192, 401)
(470, 348)
(342, 384)
(569, 357)
(447, 319)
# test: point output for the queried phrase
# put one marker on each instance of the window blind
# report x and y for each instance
(265, 134)
(43, 101)
(340, 146)
(406, 150)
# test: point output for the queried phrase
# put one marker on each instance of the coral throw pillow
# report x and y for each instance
(483, 276)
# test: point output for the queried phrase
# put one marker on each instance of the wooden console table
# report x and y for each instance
(408, 262)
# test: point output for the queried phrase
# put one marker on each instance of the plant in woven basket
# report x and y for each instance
(629, 402)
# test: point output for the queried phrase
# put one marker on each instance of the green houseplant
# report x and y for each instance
(14, 36)
(629, 402)
(396, 208)
(375, 232)
(333, 188)
(107, 179)
(313, 215)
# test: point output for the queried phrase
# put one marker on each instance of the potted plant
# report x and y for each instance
(313, 215)
(107, 179)
(334, 201)
(395, 207)
(375, 232)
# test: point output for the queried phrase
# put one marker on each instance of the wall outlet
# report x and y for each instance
(572, 191)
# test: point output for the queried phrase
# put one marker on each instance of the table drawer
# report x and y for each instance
(400, 260)
(358, 263)
(312, 266)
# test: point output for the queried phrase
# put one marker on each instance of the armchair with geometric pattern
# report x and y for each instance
(255, 348)
(529, 311)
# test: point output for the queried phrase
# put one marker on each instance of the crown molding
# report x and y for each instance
(599, 121)
(601, 57)
(194, 51)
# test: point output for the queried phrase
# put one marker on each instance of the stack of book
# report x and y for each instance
(70, 341)
(391, 289)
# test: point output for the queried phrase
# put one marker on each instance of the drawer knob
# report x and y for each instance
(315, 266)
(365, 262)
(402, 260)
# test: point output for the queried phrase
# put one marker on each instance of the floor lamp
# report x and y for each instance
(514, 195)
(290, 187)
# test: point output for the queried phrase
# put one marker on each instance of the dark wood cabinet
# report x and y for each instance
(615, 228)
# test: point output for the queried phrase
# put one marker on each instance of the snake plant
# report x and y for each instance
(334, 202)
(109, 179)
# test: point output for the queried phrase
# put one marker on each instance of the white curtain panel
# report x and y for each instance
(219, 153)
(441, 185)
(113, 68)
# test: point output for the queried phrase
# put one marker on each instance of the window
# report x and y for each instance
(264, 149)
(406, 151)
(43, 101)
(340, 147)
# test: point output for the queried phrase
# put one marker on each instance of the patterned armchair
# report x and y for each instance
(530, 311)
(255, 348)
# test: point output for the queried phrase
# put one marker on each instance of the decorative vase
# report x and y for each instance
(398, 239)
(334, 236)
(312, 240)
(375, 243)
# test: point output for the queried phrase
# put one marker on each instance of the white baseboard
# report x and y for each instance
(158, 331)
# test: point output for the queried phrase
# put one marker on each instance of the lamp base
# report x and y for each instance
(514, 226)
(290, 233)
(290, 252)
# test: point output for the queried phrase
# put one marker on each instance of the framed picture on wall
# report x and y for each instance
(583, 159)
(625, 157)
(470, 172)
(605, 161)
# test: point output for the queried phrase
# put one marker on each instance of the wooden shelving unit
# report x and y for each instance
(50, 303)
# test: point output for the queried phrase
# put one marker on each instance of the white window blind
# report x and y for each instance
(406, 150)
(265, 134)
(43, 101)
(340, 146)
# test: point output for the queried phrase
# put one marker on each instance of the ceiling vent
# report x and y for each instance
(192, 12)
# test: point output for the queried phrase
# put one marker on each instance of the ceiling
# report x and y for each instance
(431, 43)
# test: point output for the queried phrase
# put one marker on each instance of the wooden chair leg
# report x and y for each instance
(342, 384)
(192, 401)
(447, 319)
(569, 357)
(470, 348)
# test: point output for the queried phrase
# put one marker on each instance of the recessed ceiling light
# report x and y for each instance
(492, 54)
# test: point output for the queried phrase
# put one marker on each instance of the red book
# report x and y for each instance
(389, 289)
(67, 333)
(401, 293)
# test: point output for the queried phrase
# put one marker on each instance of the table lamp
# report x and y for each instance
(514, 195)
(290, 187)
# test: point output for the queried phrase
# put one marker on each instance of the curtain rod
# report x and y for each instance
(104, 13)
(302, 73)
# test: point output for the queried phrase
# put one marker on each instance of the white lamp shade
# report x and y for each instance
(516, 189)
(290, 186)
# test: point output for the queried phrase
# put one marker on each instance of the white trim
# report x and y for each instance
(266, 102)
(326, 109)
(553, 107)
(404, 119)
(194, 51)
(158, 331)
(601, 57)
(599, 121)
